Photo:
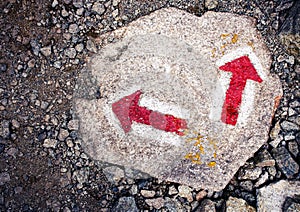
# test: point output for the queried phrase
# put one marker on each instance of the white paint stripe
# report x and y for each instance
(149, 132)
(247, 102)
(218, 96)
(156, 105)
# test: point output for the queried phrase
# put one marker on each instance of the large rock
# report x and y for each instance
(289, 32)
(126, 204)
(236, 204)
(273, 196)
(162, 99)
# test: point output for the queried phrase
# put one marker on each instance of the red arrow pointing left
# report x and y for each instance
(127, 110)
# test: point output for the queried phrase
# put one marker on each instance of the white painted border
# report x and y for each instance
(146, 131)
(224, 80)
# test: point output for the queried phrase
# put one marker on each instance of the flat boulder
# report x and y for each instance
(182, 98)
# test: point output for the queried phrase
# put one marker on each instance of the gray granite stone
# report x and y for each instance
(236, 204)
(176, 65)
(273, 196)
(207, 206)
(285, 162)
(126, 204)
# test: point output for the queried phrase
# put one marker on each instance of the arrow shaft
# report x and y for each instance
(233, 99)
(157, 120)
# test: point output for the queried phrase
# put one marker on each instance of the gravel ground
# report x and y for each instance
(44, 45)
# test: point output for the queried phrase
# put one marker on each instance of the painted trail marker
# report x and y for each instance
(182, 98)
(127, 110)
(242, 70)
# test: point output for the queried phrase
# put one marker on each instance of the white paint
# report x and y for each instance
(248, 95)
(156, 105)
(218, 96)
(150, 132)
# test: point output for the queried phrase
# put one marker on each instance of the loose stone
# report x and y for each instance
(126, 204)
(186, 192)
(63, 134)
(148, 193)
(156, 203)
(250, 173)
(200, 195)
(50, 143)
(288, 126)
(4, 178)
(285, 162)
(91, 46)
(46, 51)
(113, 173)
(263, 178)
(98, 8)
(3, 67)
(73, 28)
(207, 205)
(236, 204)
(70, 52)
(272, 197)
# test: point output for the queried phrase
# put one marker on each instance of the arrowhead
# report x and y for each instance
(123, 107)
(242, 68)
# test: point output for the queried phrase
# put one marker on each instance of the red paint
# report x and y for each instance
(242, 70)
(127, 110)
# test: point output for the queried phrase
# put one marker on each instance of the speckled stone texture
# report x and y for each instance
(174, 56)
(273, 196)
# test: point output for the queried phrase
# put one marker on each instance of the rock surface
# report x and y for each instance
(235, 204)
(272, 197)
(36, 103)
(161, 55)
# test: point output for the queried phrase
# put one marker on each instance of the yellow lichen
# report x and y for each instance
(250, 43)
(198, 139)
(224, 35)
(234, 38)
(211, 164)
(213, 52)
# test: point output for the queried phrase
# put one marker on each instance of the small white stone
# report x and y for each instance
(63, 134)
(116, 2)
(46, 51)
(236, 204)
(64, 13)
(186, 192)
(70, 52)
(156, 203)
(73, 124)
(172, 190)
(79, 11)
(50, 143)
(98, 8)
(73, 28)
(91, 46)
(262, 179)
(148, 193)
(115, 13)
(54, 3)
(70, 143)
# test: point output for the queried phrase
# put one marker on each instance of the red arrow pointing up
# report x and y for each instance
(242, 70)
(127, 110)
